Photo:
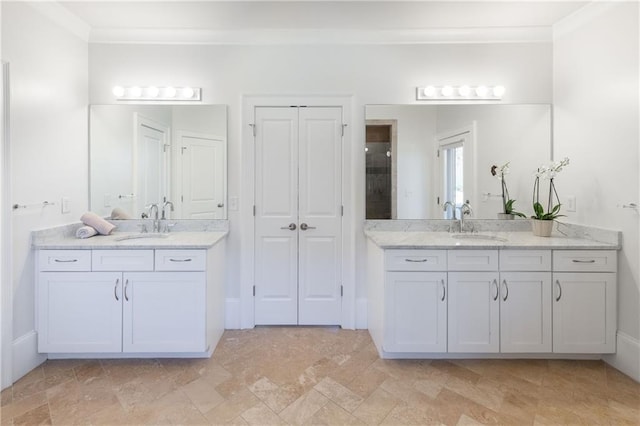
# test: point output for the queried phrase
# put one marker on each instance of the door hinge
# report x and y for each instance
(253, 129)
(165, 146)
(254, 291)
(438, 153)
(254, 209)
(438, 200)
(341, 210)
(182, 198)
(341, 290)
(343, 126)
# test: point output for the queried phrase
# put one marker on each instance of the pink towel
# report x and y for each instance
(99, 224)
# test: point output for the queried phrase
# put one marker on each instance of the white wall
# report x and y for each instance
(596, 119)
(48, 141)
(377, 74)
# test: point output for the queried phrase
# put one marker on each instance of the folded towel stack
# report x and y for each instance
(119, 213)
(86, 232)
(96, 222)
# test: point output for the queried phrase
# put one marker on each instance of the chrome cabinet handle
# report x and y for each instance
(180, 260)
(583, 261)
(126, 285)
(559, 290)
(416, 260)
(444, 290)
(506, 290)
(291, 227)
(304, 226)
(495, 283)
(115, 289)
(65, 260)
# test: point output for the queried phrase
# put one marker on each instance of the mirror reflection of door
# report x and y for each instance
(381, 172)
(150, 165)
(203, 176)
(451, 151)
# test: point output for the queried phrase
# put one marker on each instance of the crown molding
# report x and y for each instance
(61, 16)
(322, 36)
(581, 17)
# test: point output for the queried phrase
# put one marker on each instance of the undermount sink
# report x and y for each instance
(478, 237)
(145, 235)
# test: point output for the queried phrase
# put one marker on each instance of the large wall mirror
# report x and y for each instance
(420, 156)
(152, 154)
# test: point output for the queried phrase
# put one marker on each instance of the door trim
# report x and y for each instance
(247, 227)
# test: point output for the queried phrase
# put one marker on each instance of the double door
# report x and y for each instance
(298, 215)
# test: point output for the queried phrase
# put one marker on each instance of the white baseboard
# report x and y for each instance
(232, 314)
(627, 356)
(25, 355)
(361, 314)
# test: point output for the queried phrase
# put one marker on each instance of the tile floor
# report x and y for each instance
(319, 376)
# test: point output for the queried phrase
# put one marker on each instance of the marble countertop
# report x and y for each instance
(124, 240)
(495, 240)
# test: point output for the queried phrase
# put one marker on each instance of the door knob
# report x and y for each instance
(220, 204)
(304, 226)
(291, 227)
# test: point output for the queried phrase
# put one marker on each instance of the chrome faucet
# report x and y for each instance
(156, 222)
(464, 209)
(164, 206)
(453, 208)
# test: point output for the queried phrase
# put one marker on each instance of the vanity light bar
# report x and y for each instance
(456, 93)
(153, 93)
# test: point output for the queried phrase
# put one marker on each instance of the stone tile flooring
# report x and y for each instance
(307, 375)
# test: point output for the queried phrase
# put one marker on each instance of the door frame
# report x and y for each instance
(247, 226)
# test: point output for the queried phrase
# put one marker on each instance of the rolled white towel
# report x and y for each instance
(119, 213)
(86, 232)
(99, 224)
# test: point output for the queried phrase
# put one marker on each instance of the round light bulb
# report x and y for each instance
(429, 91)
(188, 92)
(153, 92)
(498, 91)
(482, 91)
(118, 91)
(169, 92)
(135, 91)
(464, 91)
(447, 91)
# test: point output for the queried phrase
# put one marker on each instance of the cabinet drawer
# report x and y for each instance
(122, 260)
(585, 260)
(525, 260)
(181, 260)
(415, 260)
(472, 260)
(64, 260)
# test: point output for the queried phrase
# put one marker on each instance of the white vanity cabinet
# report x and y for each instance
(584, 301)
(415, 301)
(129, 301)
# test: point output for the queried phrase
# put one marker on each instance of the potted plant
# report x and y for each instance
(507, 203)
(543, 218)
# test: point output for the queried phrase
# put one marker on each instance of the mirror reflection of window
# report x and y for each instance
(453, 160)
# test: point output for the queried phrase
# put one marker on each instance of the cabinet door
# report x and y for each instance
(584, 312)
(474, 310)
(164, 312)
(79, 312)
(416, 312)
(525, 311)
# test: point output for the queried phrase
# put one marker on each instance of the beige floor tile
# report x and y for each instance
(38, 416)
(339, 394)
(6, 397)
(406, 415)
(331, 414)
(366, 383)
(260, 414)
(232, 407)
(17, 408)
(274, 396)
(302, 409)
(376, 407)
(203, 395)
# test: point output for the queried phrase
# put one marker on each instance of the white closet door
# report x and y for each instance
(298, 238)
(150, 165)
(276, 246)
(320, 213)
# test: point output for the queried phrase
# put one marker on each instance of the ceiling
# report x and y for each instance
(304, 21)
